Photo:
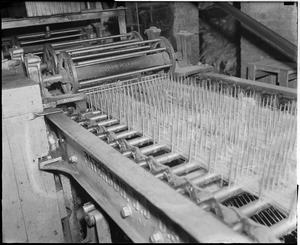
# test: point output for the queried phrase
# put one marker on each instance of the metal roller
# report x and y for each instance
(49, 53)
(82, 68)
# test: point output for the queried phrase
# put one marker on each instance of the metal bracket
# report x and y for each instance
(155, 167)
(97, 227)
(153, 32)
(57, 164)
(17, 53)
(173, 179)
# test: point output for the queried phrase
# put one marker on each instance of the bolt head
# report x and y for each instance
(126, 212)
(157, 238)
(73, 159)
(90, 220)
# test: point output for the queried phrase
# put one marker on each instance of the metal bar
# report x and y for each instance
(110, 53)
(119, 75)
(139, 141)
(91, 40)
(99, 117)
(8, 23)
(117, 128)
(117, 57)
(226, 193)
(108, 46)
(204, 179)
(190, 220)
(96, 46)
(42, 34)
(127, 134)
(49, 39)
(148, 149)
(261, 31)
(254, 207)
(181, 169)
(162, 159)
(121, 135)
(107, 122)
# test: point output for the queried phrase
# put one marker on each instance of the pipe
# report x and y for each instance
(42, 34)
(109, 53)
(262, 31)
(91, 39)
(109, 46)
(96, 46)
(119, 76)
(50, 39)
(117, 57)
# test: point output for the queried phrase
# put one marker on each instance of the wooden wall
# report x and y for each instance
(40, 8)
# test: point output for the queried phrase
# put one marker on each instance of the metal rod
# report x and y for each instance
(92, 39)
(254, 207)
(95, 46)
(116, 128)
(153, 149)
(50, 39)
(227, 193)
(117, 57)
(204, 179)
(53, 78)
(162, 159)
(109, 53)
(137, 16)
(109, 46)
(99, 117)
(180, 169)
(127, 134)
(118, 76)
(107, 122)
(139, 141)
(42, 34)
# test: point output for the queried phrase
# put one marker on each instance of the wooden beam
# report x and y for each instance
(9, 23)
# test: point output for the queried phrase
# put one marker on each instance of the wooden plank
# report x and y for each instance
(27, 142)
(13, 224)
(8, 23)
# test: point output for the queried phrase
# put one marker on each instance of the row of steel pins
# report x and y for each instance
(249, 140)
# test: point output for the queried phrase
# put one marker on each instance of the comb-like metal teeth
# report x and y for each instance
(237, 137)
